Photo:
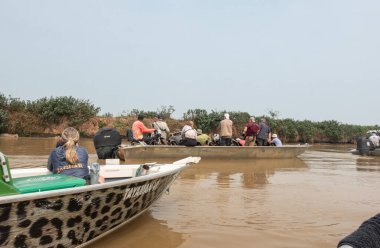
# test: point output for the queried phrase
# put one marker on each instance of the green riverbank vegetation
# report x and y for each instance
(49, 116)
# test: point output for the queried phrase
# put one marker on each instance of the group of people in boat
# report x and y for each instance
(254, 134)
(260, 134)
(71, 159)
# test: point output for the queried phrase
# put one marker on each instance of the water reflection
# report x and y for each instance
(249, 173)
(312, 202)
(145, 231)
(36, 146)
(368, 163)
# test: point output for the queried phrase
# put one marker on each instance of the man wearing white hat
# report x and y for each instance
(275, 140)
(225, 127)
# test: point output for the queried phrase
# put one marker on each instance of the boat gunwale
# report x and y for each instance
(122, 182)
(247, 152)
(222, 147)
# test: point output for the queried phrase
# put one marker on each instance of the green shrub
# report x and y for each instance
(330, 130)
(3, 101)
(16, 105)
(3, 120)
(102, 124)
(166, 111)
(54, 110)
(306, 130)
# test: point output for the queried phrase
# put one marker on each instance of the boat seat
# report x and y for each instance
(112, 172)
(46, 183)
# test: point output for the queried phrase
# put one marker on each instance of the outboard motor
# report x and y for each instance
(363, 145)
(106, 142)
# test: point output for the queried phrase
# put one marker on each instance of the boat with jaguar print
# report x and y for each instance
(40, 209)
(213, 152)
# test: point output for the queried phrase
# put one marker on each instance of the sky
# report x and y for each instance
(306, 60)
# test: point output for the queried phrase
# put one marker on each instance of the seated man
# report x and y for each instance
(202, 138)
(189, 135)
(275, 140)
(375, 139)
(139, 129)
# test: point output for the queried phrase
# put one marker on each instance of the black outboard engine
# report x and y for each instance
(363, 145)
(106, 142)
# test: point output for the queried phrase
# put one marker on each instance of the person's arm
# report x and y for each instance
(85, 157)
(144, 129)
(184, 130)
(219, 127)
(83, 160)
(50, 164)
(167, 127)
(245, 129)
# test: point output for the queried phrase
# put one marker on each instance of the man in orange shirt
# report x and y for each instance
(138, 129)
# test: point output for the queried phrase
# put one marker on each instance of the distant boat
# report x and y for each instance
(215, 152)
(7, 135)
(37, 211)
(364, 146)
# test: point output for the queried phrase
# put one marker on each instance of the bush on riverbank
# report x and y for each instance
(49, 116)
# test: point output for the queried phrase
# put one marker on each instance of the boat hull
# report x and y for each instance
(214, 152)
(76, 216)
(375, 152)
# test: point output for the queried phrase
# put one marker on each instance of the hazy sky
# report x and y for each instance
(307, 59)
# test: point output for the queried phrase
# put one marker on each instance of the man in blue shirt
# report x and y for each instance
(275, 140)
(263, 136)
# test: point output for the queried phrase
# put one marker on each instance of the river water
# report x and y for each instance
(312, 201)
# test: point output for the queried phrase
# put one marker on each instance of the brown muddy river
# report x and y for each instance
(312, 201)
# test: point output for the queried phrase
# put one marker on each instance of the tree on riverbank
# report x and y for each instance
(49, 116)
(34, 117)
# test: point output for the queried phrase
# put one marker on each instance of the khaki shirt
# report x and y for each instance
(225, 127)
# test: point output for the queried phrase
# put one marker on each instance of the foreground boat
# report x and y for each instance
(75, 216)
(219, 152)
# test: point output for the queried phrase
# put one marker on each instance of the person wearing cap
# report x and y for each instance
(162, 128)
(139, 129)
(264, 134)
(69, 158)
(202, 138)
(250, 131)
(225, 130)
(275, 140)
